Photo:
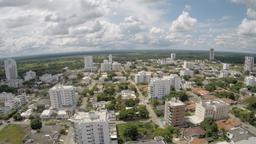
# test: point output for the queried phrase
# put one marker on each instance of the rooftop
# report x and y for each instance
(98, 116)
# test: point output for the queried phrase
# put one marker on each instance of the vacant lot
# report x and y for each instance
(12, 134)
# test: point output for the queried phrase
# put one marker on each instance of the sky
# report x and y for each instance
(29, 27)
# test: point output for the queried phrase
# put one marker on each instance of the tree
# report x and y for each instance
(40, 108)
(210, 87)
(131, 132)
(130, 103)
(36, 124)
(166, 133)
(17, 117)
(210, 127)
(143, 112)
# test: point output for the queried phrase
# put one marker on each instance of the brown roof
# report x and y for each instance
(200, 91)
(229, 101)
(199, 141)
(228, 124)
(194, 131)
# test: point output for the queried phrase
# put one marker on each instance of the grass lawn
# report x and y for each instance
(12, 134)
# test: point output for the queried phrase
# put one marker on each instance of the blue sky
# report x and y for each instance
(51, 26)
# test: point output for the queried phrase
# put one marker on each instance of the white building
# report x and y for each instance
(250, 81)
(249, 63)
(46, 114)
(142, 77)
(186, 72)
(225, 66)
(188, 65)
(127, 66)
(211, 109)
(160, 87)
(174, 112)
(62, 97)
(211, 54)
(10, 102)
(128, 94)
(224, 74)
(49, 78)
(30, 75)
(88, 63)
(110, 58)
(10, 67)
(173, 56)
(106, 66)
(94, 128)
(116, 66)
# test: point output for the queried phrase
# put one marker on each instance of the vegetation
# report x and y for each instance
(36, 124)
(167, 133)
(245, 115)
(181, 95)
(135, 130)
(17, 117)
(12, 134)
(226, 94)
(6, 88)
(210, 127)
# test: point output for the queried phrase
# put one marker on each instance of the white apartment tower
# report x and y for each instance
(92, 128)
(211, 54)
(10, 67)
(250, 81)
(160, 87)
(173, 56)
(88, 62)
(142, 77)
(106, 66)
(62, 97)
(248, 63)
(110, 58)
(211, 109)
(174, 112)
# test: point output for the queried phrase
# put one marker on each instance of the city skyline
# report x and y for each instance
(56, 26)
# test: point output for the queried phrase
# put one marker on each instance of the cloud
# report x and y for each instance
(251, 13)
(247, 27)
(184, 23)
(248, 3)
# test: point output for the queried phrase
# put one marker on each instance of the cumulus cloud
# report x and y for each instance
(251, 13)
(247, 27)
(184, 23)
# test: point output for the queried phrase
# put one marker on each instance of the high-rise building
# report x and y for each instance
(110, 58)
(249, 63)
(106, 66)
(116, 66)
(160, 87)
(88, 63)
(211, 54)
(94, 128)
(30, 75)
(215, 109)
(10, 67)
(174, 112)
(62, 97)
(173, 56)
(142, 77)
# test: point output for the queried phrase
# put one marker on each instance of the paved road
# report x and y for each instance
(152, 113)
(144, 100)
(69, 138)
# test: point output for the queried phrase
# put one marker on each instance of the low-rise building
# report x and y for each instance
(128, 94)
(30, 75)
(250, 81)
(46, 114)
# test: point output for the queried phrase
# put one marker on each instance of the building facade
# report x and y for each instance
(10, 67)
(142, 77)
(94, 128)
(211, 109)
(160, 87)
(211, 54)
(62, 97)
(249, 63)
(174, 112)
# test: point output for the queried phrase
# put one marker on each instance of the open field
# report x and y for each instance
(12, 134)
